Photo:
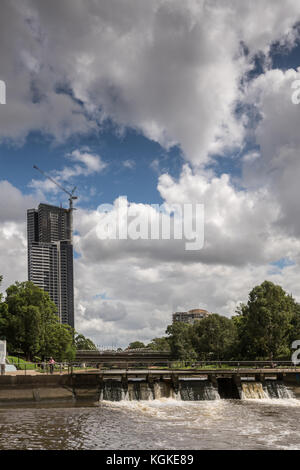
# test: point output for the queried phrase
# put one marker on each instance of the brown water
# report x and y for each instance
(158, 424)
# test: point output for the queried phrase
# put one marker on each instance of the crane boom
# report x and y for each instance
(71, 198)
(53, 181)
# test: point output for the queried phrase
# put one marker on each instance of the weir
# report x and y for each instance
(277, 389)
(192, 390)
(250, 390)
(187, 388)
(195, 390)
(268, 389)
(135, 385)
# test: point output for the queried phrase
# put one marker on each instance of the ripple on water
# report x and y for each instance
(157, 424)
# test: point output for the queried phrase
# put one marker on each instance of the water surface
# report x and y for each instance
(155, 424)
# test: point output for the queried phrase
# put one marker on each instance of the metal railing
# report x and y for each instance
(29, 368)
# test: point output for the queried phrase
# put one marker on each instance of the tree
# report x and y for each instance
(83, 343)
(241, 346)
(294, 333)
(3, 312)
(214, 337)
(29, 322)
(61, 344)
(180, 340)
(136, 345)
(159, 344)
(265, 323)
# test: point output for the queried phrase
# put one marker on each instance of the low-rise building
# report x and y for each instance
(191, 316)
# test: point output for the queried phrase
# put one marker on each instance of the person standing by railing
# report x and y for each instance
(51, 364)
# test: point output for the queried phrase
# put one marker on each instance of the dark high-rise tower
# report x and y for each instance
(50, 256)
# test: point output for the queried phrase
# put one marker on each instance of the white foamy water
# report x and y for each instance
(164, 423)
(267, 392)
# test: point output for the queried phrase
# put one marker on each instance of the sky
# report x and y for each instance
(154, 102)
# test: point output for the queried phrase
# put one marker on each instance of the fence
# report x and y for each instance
(32, 368)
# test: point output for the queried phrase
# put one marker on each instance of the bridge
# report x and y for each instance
(116, 357)
(150, 374)
(140, 358)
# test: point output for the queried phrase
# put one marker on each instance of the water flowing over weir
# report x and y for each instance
(277, 389)
(252, 390)
(113, 390)
(195, 390)
(270, 389)
(190, 389)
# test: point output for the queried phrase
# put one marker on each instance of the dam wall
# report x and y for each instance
(145, 385)
(33, 389)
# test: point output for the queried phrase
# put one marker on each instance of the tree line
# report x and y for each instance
(30, 325)
(262, 329)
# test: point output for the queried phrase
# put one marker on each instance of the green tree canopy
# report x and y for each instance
(84, 344)
(29, 322)
(180, 340)
(136, 345)
(265, 323)
(159, 344)
(214, 337)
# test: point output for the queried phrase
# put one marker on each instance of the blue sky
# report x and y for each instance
(138, 180)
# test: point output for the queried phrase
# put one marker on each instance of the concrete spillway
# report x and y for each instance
(190, 390)
(145, 385)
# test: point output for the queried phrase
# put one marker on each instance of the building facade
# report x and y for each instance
(191, 316)
(50, 256)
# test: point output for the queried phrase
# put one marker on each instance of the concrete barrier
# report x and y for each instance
(89, 386)
(35, 388)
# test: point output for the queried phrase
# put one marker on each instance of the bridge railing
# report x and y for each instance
(19, 366)
(185, 365)
(32, 368)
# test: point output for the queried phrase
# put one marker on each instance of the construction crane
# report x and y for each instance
(69, 193)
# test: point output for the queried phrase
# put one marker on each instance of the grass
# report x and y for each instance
(182, 365)
(21, 364)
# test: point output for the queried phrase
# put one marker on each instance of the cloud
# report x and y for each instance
(277, 135)
(154, 278)
(130, 164)
(103, 310)
(13, 238)
(169, 69)
(144, 285)
(240, 227)
(90, 164)
(13, 204)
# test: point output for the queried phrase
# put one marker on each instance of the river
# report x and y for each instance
(166, 424)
